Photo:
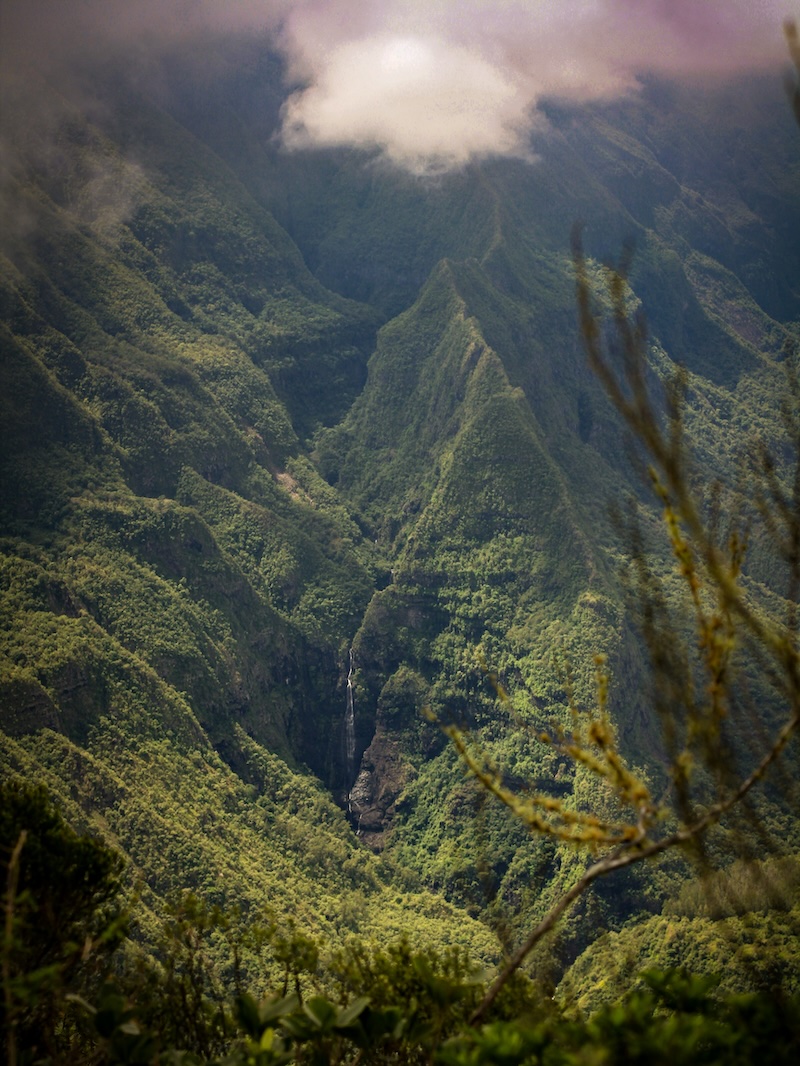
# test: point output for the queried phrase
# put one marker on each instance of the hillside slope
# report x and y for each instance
(279, 425)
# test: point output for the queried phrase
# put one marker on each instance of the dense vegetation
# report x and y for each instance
(263, 412)
(63, 1001)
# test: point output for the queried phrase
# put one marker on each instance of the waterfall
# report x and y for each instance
(349, 733)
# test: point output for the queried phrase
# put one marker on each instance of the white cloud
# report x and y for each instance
(434, 84)
(430, 83)
(426, 102)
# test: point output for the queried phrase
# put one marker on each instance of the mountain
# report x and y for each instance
(290, 436)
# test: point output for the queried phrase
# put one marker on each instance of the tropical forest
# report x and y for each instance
(399, 533)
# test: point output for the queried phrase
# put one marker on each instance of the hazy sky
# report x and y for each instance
(431, 82)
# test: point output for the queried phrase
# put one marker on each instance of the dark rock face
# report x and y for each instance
(402, 737)
(383, 775)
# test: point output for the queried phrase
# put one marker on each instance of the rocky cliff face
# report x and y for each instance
(402, 740)
(382, 777)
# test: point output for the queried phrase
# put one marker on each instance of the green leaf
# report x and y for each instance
(347, 1015)
(247, 1014)
(321, 1011)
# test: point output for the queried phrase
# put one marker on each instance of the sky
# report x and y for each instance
(430, 83)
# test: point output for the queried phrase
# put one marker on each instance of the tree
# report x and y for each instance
(697, 690)
(62, 920)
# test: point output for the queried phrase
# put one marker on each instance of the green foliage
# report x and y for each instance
(62, 920)
(751, 951)
(392, 1004)
(180, 584)
(279, 847)
(741, 888)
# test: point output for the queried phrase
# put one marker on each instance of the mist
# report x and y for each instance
(429, 85)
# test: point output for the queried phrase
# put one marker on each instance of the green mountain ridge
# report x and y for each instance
(263, 411)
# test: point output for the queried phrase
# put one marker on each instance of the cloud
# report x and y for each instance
(434, 84)
(430, 83)
(426, 102)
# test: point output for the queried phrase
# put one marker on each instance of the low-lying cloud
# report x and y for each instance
(434, 84)
(429, 83)
(429, 103)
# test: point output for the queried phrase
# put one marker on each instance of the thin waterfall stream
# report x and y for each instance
(349, 733)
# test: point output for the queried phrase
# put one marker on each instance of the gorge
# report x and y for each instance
(299, 445)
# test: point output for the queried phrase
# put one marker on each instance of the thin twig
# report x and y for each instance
(12, 884)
